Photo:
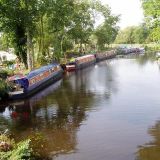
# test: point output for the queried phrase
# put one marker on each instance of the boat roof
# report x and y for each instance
(41, 70)
(86, 56)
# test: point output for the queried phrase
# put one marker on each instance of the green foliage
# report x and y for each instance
(140, 34)
(17, 19)
(62, 25)
(106, 32)
(133, 34)
(6, 143)
(152, 13)
(4, 73)
(8, 63)
(3, 89)
(32, 148)
(5, 41)
(69, 27)
(3, 84)
(21, 151)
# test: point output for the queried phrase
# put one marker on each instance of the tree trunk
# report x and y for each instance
(41, 38)
(80, 47)
(62, 44)
(42, 35)
(30, 51)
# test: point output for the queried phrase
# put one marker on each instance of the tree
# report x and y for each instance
(106, 32)
(11, 23)
(18, 19)
(141, 34)
(126, 36)
(152, 16)
(59, 21)
(69, 21)
(133, 34)
(83, 23)
(34, 25)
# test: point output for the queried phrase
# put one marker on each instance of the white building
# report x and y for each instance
(6, 56)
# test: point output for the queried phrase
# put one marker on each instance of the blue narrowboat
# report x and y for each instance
(24, 86)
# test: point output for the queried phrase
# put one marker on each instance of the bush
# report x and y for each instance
(3, 89)
(31, 149)
(8, 63)
(21, 151)
(5, 72)
(3, 85)
(6, 143)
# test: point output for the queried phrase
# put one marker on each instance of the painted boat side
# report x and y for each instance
(85, 61)
(80, 63)
(70, 68)
(105, 56)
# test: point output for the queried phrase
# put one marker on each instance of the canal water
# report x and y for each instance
(110, 111)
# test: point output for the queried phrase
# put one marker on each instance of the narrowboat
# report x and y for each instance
(81, 62)
(23, 86)
(105, 55)
(125, 50)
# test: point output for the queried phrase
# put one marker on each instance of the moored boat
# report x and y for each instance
(80, 62)
(24, 86)
(126, 50)
(105, 55)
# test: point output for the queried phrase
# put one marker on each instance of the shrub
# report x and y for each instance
(5, 72)
(3, 89)
(21, 151)
(6, 143)
(31, 149)
(8, 63)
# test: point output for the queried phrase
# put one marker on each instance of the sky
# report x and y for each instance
(130, 11)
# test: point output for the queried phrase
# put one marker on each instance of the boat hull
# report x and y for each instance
(84, 65)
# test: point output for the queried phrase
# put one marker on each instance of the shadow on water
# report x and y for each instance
(151, 150)
(58, 111)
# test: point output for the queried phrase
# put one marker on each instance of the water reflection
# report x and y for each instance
(147, 57)
(151, 150)
(58, 111)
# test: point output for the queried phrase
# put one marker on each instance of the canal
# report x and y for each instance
(110, 111)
